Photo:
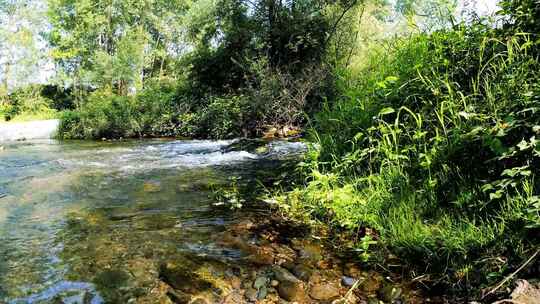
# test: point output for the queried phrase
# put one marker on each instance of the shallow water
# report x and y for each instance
(88, 222)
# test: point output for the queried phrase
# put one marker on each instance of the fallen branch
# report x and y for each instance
(508, 278)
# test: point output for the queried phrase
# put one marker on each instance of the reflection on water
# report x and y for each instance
(90, 222)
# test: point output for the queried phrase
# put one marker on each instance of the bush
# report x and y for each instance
(161, 109)
(223, 117)
(103, 115)
(8, 111)
(70, 125)
(158, 109)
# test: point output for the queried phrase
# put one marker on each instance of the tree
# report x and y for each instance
(288, 35)
(116, 42)
(21, 46)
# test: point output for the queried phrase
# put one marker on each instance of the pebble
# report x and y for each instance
(260, 282)
(347, 281)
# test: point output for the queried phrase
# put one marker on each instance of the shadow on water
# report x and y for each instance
(101, 222)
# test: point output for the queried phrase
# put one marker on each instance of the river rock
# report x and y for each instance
(324, 264)
(347, 281)
(290, 287)
(262, 293)
(283, 254)
(309, 251)
(260, 282)
(263, 255)
(178, 296)
(234, 297)
(324, 291)
(315, 278)
(181, 278)
(112, 278)
(303, 272)
(144, 271)
(236, 283)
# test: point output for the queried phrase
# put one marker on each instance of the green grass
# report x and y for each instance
(433, 146)
(44, 115)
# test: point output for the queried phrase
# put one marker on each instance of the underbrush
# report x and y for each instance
(431, 154)
(153, 113)
(34, 102)
(270, 98)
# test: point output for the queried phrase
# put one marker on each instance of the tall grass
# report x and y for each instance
(434, 147)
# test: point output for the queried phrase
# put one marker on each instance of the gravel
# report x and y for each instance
(16, 131)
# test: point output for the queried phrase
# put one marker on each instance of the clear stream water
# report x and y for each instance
(73, 213)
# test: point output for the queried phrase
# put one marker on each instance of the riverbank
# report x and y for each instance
(17, 131)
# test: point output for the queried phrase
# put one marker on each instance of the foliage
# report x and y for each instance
(114, 42)
(28, 103)
(21, 44)
(154, 112)
(524, 14)
(434, 147)
(246, 65)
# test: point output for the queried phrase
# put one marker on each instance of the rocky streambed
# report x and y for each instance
(283, 264)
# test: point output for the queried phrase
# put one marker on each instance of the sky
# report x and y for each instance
(44, 69)
(481, 7)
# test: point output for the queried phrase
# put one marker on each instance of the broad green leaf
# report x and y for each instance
(386, 111)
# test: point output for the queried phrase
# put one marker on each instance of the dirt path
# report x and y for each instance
(13, 131)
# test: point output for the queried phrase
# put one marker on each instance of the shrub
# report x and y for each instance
(70, 126)
(223, 117)
(159, 109)
(102, 115)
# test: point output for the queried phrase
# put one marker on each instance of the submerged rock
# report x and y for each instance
(178, 296)
(251, 294)
(310, 252)
(325, 291)
(182, 278)
(372, 283)
(290, 287)
(114, 278)
(303, 272)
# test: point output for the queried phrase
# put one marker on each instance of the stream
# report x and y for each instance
(93, 222)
